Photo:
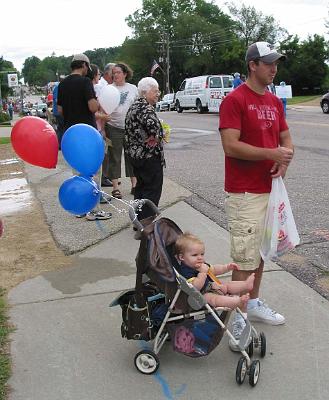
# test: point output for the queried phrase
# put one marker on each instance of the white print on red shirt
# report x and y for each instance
(266, 113)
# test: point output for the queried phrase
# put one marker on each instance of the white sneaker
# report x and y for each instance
(93, 215)
(238, 326)
(263, 313)
(80, 215)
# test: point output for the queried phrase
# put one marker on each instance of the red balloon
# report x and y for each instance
(35, 141)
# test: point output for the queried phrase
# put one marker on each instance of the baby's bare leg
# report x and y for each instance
(236, 287)
(216, 300)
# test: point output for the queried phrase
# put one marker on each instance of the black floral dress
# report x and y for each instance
(148, 161)
(141, 123)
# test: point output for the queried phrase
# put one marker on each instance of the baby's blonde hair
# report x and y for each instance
(184, 240)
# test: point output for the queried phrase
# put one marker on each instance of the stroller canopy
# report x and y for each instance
(156, 252)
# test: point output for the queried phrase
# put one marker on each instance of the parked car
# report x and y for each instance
(34, 109)
(41, 110)
(26, 111)
(167, 103)
(203, 93)
(324, 103)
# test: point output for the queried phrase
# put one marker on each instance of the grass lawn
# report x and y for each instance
(4, 140)
(302, 99)
(5, 329)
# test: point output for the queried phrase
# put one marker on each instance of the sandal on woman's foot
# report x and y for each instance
(117, 194)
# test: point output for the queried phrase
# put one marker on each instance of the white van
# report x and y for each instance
(205, 93)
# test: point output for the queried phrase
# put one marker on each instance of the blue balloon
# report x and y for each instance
(79, 195)
(83, 148)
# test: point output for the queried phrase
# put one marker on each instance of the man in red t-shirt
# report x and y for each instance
(258, 147)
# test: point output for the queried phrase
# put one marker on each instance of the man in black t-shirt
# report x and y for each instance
(76, 96)
(77, 103)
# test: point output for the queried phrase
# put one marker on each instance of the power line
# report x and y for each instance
(204, 44)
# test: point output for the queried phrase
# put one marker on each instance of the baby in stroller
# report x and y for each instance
(165, 305)
(190, 252)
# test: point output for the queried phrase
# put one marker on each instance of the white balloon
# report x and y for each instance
(109, 98)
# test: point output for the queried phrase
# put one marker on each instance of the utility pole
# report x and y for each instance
(168, 64)
(165, 49)
(162, 60)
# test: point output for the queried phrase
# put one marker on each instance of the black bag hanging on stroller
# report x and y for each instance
(140, 312)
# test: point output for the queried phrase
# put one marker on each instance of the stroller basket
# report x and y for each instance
(196, 337)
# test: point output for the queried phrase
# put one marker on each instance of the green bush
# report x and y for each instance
(4, 117)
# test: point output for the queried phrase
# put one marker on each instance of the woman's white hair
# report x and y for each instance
(146, 84)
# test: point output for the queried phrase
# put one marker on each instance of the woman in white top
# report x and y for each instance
(115, 127)
(101, 118)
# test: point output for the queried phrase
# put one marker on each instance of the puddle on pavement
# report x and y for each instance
(11, 174)
(14, 195)
(9, 161)
(87, 270)
(15, 173)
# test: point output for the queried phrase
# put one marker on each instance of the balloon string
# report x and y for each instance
(126, 203)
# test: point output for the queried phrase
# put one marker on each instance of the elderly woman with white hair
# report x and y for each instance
(143, 144)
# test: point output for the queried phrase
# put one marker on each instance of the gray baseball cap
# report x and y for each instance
(263, 51)
(81, 57)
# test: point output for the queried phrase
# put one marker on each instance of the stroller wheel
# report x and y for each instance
(147, 362)
(250, 348)
(241, 370)
(262, 340)
(254, 372)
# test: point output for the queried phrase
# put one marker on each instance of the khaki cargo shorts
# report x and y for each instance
(246, 216)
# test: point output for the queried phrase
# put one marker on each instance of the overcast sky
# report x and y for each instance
(70, 26)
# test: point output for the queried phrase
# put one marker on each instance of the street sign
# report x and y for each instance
(284, 92)
(12, 80)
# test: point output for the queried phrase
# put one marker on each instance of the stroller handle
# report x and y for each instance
(138, 204)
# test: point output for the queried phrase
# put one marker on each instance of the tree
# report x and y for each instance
(253, 26)
(201, 39)
(103, 56)
(306, 66)
(5, 66)
(29, 69)
(197, 33)
(138, 54)
(40, 72)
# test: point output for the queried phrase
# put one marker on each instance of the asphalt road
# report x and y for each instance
(195, 160)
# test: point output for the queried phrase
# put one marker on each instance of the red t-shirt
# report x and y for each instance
(260, 119)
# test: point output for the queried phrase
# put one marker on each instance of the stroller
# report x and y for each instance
(163, 306)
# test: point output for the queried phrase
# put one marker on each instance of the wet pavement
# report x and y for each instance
(15, 194)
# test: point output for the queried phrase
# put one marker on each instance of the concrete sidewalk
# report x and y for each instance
(5, 131)
(67, 343)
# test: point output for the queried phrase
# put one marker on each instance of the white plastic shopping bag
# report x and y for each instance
(280, 233)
